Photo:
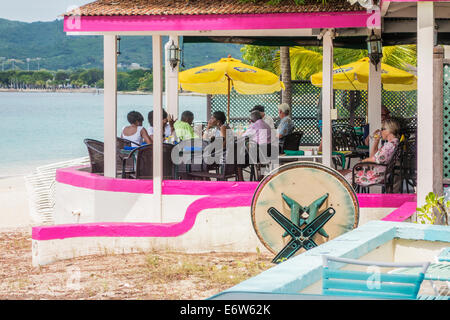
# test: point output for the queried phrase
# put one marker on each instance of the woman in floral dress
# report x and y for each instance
(389, 132)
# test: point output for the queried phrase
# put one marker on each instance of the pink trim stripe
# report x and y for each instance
(405, 211)
(216, 22)
(75, 177)
(391, 200)
(173, 187)
(82, 179)
(416, 0)
(112, 229)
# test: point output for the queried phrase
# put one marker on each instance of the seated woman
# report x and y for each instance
(168, 129)
(259, 131)
(389, 132)
(183, 127)
(135, 132)
(216, 126)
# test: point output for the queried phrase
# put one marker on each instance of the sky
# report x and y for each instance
(33, 10)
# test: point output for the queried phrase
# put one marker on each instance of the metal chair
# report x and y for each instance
(386, 180)
(224, 170)
(345, 139)
(372, 283)
(408, 164)
(144, 162)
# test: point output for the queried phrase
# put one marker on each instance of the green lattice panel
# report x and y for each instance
(305, 99)
(446, 119)
(241, 104)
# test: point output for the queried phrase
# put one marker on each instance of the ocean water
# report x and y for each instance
(39, 128)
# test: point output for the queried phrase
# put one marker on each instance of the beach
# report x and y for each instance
(150, 275)
(14, 210)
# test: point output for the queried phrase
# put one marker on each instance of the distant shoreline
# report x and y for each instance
(92, 90)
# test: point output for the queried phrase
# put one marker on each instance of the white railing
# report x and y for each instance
(41, 190)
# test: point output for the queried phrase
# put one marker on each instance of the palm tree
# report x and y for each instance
(305, 61)
(285, 68)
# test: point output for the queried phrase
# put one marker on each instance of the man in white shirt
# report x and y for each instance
(267, 119)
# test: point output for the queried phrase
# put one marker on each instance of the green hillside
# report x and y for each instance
(46, 40)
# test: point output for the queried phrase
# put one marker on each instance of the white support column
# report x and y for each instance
(171, 80)
(425, 100)
(327, 96)
(374, 97)
(110, 104)
(157, 124)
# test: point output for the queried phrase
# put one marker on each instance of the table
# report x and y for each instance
(314, 158)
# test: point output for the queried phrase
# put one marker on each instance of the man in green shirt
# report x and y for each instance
(183, 128)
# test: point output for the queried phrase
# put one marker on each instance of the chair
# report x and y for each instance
(386, 180)
(194, 157)
(96, 155)
(345, 139)
(291, 141)
(129, 166)
(222, 171)
(373, 283)
(259, 156)
(144, 162)
(408, 164)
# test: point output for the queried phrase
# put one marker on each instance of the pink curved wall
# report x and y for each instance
(222, 194)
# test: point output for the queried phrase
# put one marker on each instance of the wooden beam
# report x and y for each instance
(425, 100)
(171, 81)
(157, 125)
(110, 104)
(374, 96)
(327, 96)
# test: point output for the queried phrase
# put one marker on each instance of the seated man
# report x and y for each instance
(267, 119)
(286, 126)
(258, 131)
(183, 127)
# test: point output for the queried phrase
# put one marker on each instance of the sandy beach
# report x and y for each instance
(151, 275)
(14, 210)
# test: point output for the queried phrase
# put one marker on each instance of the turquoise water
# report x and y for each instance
(43, 128)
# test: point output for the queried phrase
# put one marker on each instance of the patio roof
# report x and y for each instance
(207, 7)
(212, 17)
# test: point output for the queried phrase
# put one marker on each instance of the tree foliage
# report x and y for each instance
(305, 61)
(141, 79)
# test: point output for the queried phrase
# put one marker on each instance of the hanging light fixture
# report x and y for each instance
(174, 55)
(118, 46)
(374, 48)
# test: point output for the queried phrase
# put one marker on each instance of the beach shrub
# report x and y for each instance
(434, 211)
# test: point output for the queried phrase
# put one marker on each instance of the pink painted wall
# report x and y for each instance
(218, 195)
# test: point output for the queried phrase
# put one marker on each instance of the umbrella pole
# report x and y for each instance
(228, 102)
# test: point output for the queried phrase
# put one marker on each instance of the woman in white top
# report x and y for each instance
(135, 132)
(217, 126)
(167, 125)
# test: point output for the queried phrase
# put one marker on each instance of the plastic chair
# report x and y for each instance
(372, 284)
(96, 155)
(292, 141)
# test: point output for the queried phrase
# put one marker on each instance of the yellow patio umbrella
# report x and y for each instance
(221, 76)
(355, 76)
